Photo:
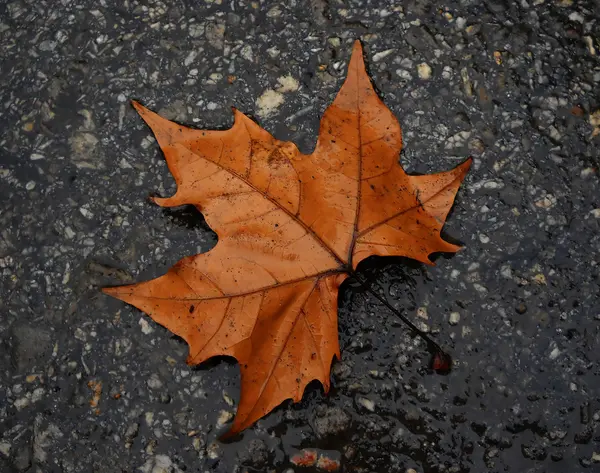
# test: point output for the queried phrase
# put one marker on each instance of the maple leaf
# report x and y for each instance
(291, 228)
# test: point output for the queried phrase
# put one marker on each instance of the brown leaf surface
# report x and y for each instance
(291, 228)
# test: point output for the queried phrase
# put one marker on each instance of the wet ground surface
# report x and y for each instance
(88, 384)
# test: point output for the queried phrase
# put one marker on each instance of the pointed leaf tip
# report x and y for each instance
(138, 106)
(142, 111)
(357, 53)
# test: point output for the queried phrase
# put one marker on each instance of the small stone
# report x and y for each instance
(590, 44)
(21, 403)
(47, 45)
(5, 449)
(36, 156)
(480, 288)
(273, 52)
(330, 421)
(213, 451)
(215, 34)
(540, 279)
(37, 394)
(595, 122)
(546, 202)
(366, 403)
(422, 326)
(189, 59)
(80, 334)
(287, 84)
(476, 146)
(334, 41)
(30, 185)
(228, 399)
(246, 53)
(403, 74)
(576, 16)
(224, 417)
(131, 433)
(146, 327)
(382, 54)
(521, 308)
(467, 84)
(457, 140)
(154, 382)
(424, 71)
(268, 103)
(554, 353)
(454, 318)
(498, 57)
(6, 262)
(195, 30)
(274, 12)
(83, 210)
(83, 150)
(162, 464)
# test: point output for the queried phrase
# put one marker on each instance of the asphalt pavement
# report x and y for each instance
(90, 384)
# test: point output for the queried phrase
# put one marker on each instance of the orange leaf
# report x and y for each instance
(291, 228)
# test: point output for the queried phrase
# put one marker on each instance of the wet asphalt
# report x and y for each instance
(89, 384)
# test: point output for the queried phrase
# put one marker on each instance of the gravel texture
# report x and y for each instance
(88, 384)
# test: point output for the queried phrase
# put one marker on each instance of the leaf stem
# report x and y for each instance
(441, 360)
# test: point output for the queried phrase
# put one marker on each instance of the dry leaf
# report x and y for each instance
(291, 228)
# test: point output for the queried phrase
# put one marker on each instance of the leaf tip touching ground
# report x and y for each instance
(122, 293)
(140, 109)
(357, 61)
(113, 290)
(465, 165)
(459, 173)
(164, 130)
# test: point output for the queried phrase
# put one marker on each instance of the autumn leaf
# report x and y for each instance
(291, 228)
